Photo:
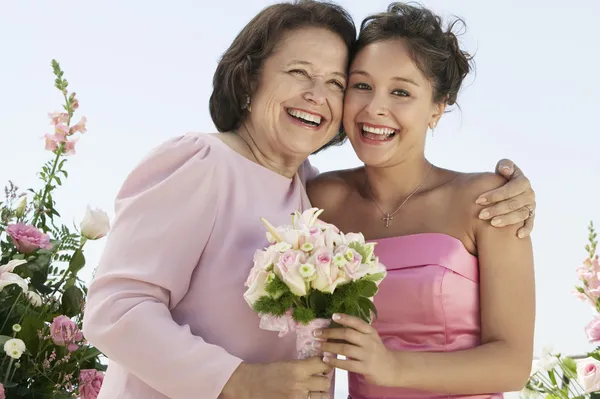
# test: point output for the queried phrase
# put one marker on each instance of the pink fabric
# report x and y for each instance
(429, 301)
(166, 305)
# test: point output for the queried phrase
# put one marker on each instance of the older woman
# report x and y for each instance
(166, 304)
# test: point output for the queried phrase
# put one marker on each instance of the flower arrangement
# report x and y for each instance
(44, 353)
(556, 376)
(310, 271)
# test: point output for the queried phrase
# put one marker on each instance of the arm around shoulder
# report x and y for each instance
(146, 267)
(507, 289)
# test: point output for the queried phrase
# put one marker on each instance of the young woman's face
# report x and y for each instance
(388, 105)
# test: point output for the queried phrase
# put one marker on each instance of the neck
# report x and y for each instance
(265, 155)
(389, 186)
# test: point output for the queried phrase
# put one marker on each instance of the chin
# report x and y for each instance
(368, 154)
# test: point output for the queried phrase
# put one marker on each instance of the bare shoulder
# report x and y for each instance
(329, 189)
(472, 185)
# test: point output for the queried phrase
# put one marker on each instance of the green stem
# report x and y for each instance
(10, 311)
(66, 273)
(47, 187)
(8, 371)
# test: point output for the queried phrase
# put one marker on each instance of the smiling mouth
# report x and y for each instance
(377, 133)
(307, 119)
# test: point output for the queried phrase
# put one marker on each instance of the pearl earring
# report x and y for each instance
(247, 105)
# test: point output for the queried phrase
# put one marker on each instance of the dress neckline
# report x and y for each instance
(415, 236)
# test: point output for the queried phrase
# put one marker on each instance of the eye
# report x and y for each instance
(401, 93)
(299, 72)
(362, 86)
(339, 84)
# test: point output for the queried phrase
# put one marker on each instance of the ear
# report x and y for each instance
(437, 112)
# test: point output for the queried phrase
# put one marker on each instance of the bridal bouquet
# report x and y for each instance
(43, 353)
(556, 376)
(310, 271)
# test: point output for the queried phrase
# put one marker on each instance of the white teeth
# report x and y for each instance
(304, 115)
(377, 130)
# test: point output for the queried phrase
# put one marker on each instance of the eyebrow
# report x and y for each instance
(301, 62)
(398, 78)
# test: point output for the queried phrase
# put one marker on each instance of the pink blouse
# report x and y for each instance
(166, 304)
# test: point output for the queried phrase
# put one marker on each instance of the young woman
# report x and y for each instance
(456, 311)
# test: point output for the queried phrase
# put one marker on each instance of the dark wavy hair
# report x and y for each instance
(434, 49)
(238, 70)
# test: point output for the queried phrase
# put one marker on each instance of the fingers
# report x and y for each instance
(506, 167)
(353, 322)
(314, 366)
(353, 366)
(317, 384)
(342, 334)
(317, 395)
(343, 349)
(525, 231)
(514, 187)
(525, 199)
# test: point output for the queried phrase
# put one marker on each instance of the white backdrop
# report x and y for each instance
(143, 71)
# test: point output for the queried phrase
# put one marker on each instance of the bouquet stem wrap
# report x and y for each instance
(305, 338)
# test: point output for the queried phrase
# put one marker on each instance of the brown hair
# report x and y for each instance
(239, 68)
(435, 51)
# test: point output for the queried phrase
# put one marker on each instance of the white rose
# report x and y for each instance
(95, 224)
(34, 298)
(588, 374)
(14, 348)
(21, 207)
(257, 287)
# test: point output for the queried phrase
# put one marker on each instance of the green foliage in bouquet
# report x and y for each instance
(41, 295)
(352, 298)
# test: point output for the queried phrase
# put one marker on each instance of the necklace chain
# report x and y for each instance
(387, 217)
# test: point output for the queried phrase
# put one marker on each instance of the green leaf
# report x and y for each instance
(77, 262)
(318, 302)
(375, 277)
(29, 332)
(90, 353)
(367, 288)
(367, 306)
(72, 301)
(3, 339)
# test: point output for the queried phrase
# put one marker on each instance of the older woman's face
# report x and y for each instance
(297, 106)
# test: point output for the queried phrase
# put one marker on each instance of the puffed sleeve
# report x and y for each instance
(165, 211)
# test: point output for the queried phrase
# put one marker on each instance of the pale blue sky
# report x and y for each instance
(143, 73)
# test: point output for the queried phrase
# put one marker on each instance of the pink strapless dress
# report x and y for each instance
(429, 301)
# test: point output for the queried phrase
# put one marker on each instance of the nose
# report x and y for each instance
(377, 106)
(315, 94)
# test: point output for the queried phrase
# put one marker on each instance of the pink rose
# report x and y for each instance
(2, 393)
(592, 330)
(90, 382)
(65, 332)
(288, 270)
(588, 373)
(327, 272)
(27, 238)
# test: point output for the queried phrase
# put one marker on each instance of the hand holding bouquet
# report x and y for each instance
(310, 271)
